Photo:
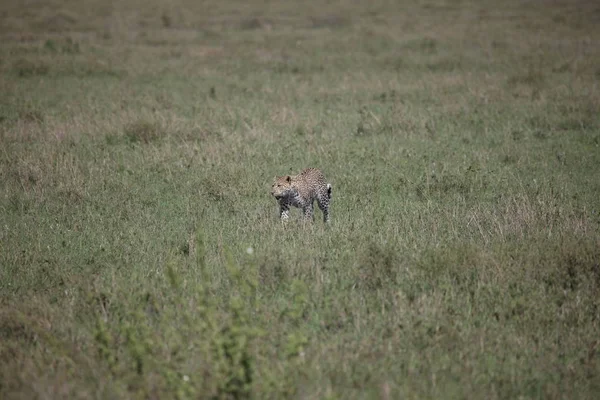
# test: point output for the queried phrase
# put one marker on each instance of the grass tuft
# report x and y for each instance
(25, 68)
(143, 131)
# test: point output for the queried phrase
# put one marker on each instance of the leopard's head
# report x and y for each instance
(281, 187)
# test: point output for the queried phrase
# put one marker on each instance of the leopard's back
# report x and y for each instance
(310, 183)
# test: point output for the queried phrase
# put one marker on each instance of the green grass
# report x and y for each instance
(141, 254)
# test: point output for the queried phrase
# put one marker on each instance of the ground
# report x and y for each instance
(140, 249)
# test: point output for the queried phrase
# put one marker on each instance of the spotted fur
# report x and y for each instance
(301, 191)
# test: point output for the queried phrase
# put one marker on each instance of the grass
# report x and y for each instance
(140, 251)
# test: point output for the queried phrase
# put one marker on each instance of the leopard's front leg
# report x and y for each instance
(284, 211)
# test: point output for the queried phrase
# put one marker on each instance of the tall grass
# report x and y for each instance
(141, 254)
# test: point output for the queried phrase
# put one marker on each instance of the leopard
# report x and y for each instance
(301, 191)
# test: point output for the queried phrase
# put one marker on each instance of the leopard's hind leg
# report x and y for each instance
(323, 202)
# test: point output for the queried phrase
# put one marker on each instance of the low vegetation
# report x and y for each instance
(141, 255)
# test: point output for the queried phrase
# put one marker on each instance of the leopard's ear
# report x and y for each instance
(288, 178)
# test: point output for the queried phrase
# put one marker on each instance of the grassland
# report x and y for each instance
(140, 251)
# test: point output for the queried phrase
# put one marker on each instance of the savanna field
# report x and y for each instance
(141, 254)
